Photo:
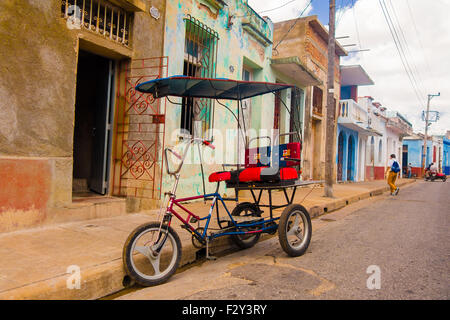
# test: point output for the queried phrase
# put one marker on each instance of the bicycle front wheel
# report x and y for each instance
(141, 260)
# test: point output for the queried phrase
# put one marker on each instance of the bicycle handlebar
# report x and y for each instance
(208, 144)
(182, 157)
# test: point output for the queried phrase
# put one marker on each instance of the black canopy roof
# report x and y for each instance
(184, 86)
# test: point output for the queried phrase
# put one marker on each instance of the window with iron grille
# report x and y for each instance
(200, 56)
(99, 16)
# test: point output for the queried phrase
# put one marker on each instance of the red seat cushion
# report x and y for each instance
(255, 174)
(220, 176)
(267, 174)
(288, 174)
(251, 174)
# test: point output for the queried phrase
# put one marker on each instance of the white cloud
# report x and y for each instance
(290, 11)
(428, 55)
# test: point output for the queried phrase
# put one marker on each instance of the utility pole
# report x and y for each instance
(331, 107)
(424, 153)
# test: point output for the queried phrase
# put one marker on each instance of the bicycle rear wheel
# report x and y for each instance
(142, 262)
(295, 230)
(245, 241)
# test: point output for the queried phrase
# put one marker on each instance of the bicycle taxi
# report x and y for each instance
(152, 252)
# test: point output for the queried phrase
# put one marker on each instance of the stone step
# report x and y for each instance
(86, 208)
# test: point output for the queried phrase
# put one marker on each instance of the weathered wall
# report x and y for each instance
(37, 93)
(148, 32)
(37, 83)
(38, 66)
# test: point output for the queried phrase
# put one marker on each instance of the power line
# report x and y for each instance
(358, 37)
(341, 12)
(401, 52)
(356, 24)
(277, 7)
(292, 26)
(399, 47)
(408, 51)
(418, 37)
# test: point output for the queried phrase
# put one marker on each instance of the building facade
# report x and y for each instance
(388, 129)
(66, 107)
(353, 126)
(225, 39)
(446, 153)
(436, 152)
(91, 145)
(308, 40)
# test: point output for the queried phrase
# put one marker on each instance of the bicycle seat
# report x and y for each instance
(255, 174)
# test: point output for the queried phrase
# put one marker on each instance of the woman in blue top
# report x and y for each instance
(393, 168)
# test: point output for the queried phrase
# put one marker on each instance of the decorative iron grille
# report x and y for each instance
(200, 60)
(99, 16)
(139, 131)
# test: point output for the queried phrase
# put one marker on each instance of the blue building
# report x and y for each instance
(446, 156)
(352, 127)
(346, 153)
(413, 153)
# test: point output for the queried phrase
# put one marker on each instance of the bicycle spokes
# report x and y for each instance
(144, 251)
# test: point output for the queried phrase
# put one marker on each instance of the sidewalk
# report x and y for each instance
(34, 263)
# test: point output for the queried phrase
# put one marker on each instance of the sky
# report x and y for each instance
(423, 29)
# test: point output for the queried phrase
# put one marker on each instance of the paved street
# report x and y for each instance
(405, 236)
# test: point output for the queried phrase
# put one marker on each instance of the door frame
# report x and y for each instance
(107, 166)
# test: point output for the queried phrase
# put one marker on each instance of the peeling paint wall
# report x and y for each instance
(37, 95)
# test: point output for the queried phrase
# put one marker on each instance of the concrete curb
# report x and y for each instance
(339, 203)
(108, 278)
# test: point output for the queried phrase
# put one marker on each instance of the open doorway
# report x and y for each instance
(340, 164)
(93, 118)
(351, 158)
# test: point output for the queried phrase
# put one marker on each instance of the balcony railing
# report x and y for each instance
(100, 17)
(375, 123)
(254, 24)
(400, 126)
(350, 110)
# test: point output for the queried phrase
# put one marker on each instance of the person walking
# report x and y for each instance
(392, 170)
(433, 168)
